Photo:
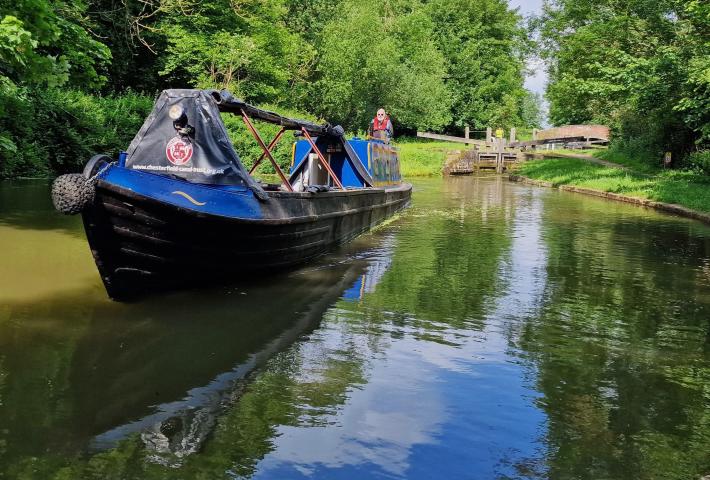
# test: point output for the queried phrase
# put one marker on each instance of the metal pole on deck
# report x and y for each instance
(269, 147)
(266, 150)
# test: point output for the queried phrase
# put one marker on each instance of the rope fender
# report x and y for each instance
(73, 192)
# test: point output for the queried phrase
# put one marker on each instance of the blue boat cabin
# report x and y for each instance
(381, 161)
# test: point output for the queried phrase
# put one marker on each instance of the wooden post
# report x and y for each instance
(466, 132)
(489, 135)
(512, 135)
(534, 133)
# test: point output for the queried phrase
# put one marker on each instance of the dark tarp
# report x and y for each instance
(213, 159)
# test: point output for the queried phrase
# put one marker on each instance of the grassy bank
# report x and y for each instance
(424, 158)
(684, 188)
(417, 159)
(637, 161)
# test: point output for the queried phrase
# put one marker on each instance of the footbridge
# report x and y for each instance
(580, 134)
(498, 152)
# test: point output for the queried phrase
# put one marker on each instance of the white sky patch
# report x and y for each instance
(373, 429)
(527, 7)
(537, 79)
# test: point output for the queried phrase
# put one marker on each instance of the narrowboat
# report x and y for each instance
(178, 209)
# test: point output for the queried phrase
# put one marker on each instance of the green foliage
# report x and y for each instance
(48, 43)
(433, 65)
(483, 44)
(20, 61)
(129, 29)
(641, 67)
(309, 18)
(531, 115)
(376, 55)
(241, 46)
(700, 161)
(50, 131)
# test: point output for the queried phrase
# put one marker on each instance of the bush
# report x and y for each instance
(50, 131)
(645, 138)
(700, 161)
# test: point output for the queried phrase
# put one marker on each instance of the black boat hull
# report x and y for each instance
(143, 245)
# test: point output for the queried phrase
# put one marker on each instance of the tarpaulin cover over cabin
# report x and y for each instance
(201, 153)
(184, 137)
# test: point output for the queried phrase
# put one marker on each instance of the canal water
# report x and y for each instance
(492, 331)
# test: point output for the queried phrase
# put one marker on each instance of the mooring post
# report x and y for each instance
(534, 133)
(465, 132)
(489, 135)
(512, 135)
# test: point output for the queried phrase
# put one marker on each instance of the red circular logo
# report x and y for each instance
(178, 151)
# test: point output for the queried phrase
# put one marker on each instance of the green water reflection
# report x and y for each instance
(620, 342)
(492, 331)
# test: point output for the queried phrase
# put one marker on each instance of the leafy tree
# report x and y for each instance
(243, 46)
(639, 66)
(45, 42)
(129, 28)
(375, 55)
(531, 113)
(308, 18)
(484, 47)
(432, 64)
(694, 103)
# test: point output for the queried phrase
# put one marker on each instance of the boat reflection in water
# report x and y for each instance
(185, 365)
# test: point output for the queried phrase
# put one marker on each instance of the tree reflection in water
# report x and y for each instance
(493, 331)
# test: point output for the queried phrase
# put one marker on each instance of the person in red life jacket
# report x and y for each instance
(381, 126)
